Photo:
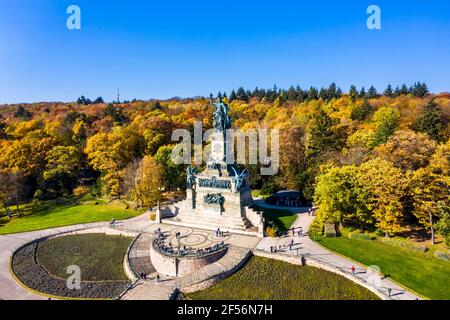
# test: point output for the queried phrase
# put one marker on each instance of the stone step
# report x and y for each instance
(213, 225)
(148, 290)
(220, 220)
(210, 216)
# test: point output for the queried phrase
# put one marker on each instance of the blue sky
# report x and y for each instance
(161, 49)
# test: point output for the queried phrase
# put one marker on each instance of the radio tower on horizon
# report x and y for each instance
(118, 96)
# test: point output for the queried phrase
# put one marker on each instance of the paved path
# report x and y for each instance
(11, 290)
(304, 246)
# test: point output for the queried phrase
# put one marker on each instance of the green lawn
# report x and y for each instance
(282, 219)
(268, 279)
(50, 215)
(99, 257)
(420, 272)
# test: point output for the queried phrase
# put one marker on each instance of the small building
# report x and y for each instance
(287, 198)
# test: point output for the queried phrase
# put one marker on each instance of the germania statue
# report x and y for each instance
(221, 119)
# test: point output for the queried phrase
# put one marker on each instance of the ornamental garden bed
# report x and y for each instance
(42, 265)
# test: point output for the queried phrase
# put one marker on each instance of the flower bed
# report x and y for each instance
(33, 275)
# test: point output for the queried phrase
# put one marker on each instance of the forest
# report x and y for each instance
(368, 159)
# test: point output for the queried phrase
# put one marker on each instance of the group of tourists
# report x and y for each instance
(219, 233)
(159, 234)
(296, 232)
(143, 276)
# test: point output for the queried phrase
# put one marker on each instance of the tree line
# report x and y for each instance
(380, 163)
(298, 94)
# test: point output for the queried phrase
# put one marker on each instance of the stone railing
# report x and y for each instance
(158, 245)
(183, 262)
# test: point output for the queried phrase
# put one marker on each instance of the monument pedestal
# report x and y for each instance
(219, 197)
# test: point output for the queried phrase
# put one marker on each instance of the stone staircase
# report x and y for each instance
(139, 256)
(227, 223)
(223, 221)
(149, 290)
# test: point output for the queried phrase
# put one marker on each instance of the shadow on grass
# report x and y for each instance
(282, 219)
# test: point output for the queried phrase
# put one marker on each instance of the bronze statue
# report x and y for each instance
(221, 119)
(239, 179)
(191, 177)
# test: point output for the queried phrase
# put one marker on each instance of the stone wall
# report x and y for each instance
(182, 266)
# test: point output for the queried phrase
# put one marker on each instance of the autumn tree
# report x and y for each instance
(361, 111)
(292, 158)
(116, 114)
(440, 161)
(142, 181)
(408, 150)
(173, 175)
(386, 120)
(153, 141)
(431, 122)
(12, 191)
(23, 113)
(431, 194)
(63, 169)
(337, 196)
(110, 152)
(382, 190)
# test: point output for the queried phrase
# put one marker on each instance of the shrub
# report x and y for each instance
(120, 204)
(360, 236)
(80, 191)
(271, 232)
(442, 255)
(379, 233)
(404, 244)
(447, 240)
(316, 227)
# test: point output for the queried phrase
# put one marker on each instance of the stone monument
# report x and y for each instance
(220, 196)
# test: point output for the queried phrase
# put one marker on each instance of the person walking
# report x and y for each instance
(353, 269)
(303, 261)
